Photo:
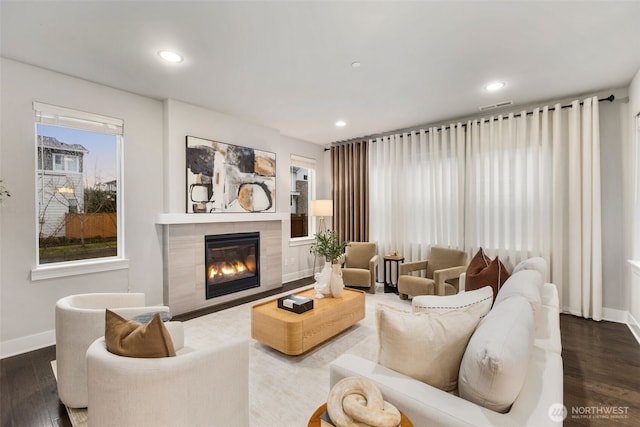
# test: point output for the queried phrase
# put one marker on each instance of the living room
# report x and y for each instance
(57, 54)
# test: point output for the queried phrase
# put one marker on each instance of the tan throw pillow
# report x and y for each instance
(132, 339)
(483, 271)
(425, 346)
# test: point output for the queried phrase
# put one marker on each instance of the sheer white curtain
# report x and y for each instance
(417, 191)
(521, 185)
(509, 192)
(533, 189)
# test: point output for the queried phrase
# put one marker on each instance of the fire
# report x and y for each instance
(226, 269)
(240, 267)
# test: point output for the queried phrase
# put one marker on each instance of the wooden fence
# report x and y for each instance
(90, 225)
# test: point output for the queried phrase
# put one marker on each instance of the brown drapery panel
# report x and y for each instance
(350, 191)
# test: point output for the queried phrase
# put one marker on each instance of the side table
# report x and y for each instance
(391, 276)
(315, 421)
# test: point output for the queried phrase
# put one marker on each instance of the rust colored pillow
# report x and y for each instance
(483, 271)
(132, 339)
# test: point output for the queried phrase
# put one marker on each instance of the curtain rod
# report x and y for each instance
(609, 98)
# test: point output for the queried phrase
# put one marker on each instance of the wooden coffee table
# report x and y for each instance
(294, 334)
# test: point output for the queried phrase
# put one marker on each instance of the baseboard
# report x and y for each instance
(25, 344)
(614, 315)
(290, 277)
(608, 314)
(618, 316)
(634, 325)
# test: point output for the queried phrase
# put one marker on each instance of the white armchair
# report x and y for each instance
(79, 322)
(198, 387)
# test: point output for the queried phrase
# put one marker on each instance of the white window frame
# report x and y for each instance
(66, 117)
(66, 158)
(311, 165)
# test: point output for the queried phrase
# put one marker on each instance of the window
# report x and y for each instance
(302, 192)
(66, 163)
(77, 175)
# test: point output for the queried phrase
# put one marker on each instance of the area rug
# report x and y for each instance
(78, 417)
(274, 399)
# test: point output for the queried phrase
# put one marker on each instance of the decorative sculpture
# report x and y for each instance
(357, 402)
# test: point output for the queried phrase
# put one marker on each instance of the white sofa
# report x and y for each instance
(425, 405)
(198, 387)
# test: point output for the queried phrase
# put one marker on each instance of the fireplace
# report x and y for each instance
(232, 263)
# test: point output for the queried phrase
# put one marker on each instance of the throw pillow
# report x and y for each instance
(132, 339)
(525, 283)
(495, 362)
(483, 271)
(425, 346)
(481, 298)
(535, 263)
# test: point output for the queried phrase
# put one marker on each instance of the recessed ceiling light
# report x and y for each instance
(493, 86)
(356, 64)
(170, 56)
(341, 123)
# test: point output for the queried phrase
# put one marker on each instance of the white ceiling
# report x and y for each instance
(286, 65)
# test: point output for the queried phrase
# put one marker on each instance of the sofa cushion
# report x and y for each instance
(132, 339)
(483, 298)
(535, 263)
(526, 283)
(495, 362)
(425, 346)
(483, 271)
(356, 276)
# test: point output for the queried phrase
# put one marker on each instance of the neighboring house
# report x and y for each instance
(60, 183)
(111, 186)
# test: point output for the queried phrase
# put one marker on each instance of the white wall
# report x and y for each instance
(632, 210)
(27, 307)
(185, 119)
(613, 139)
(297, 261)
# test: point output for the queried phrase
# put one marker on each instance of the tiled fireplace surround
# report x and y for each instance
(184, 263)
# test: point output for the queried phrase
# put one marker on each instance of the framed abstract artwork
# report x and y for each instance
(229, 178)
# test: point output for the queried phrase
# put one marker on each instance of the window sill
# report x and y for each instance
(301, 241)
(76, 268)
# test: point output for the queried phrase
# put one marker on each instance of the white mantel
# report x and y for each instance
(207, 218)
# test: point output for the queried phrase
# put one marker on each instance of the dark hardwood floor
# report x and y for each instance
(601, 377)
(601, 373)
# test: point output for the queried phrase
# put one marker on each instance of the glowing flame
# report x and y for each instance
(228, 270)
(240, 267)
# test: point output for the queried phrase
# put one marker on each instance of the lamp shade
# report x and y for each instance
(322, 207)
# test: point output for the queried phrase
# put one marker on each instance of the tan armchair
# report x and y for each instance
(443, 269)
(360, 265)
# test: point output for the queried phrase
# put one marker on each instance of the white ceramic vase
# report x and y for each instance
(337, 284)
(323, 281)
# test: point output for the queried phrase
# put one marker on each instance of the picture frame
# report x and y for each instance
(222, 177)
